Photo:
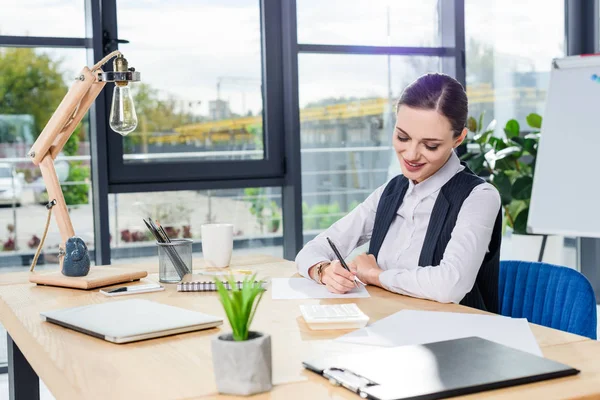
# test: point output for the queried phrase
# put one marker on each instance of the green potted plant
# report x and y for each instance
(508, 162)
(241, 359)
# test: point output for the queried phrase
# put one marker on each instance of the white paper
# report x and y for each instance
(302, 288)
(418, 327)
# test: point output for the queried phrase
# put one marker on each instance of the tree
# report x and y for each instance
(33, 84)
(30, 83)
(154, 115)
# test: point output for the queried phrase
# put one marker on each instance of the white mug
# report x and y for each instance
(217, 244)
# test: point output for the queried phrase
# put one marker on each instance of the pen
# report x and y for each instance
(339, 256)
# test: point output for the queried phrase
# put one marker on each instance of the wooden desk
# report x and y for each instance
(76, 366)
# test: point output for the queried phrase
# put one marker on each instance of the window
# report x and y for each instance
(373, 23)
(354, 114)
(43, 18)
(200, 95)
(509, 51)
(254, 212)
(203, 94)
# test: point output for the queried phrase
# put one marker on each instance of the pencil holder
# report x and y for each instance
(174, 260)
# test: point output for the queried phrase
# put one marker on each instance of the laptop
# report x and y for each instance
(130, 320)
(436, 370)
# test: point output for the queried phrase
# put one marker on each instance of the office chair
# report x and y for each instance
(549, 295)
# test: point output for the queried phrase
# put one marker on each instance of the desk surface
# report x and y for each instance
(73, 365)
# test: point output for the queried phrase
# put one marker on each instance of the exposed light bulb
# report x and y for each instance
(123, 118)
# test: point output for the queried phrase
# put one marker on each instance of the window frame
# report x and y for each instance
(122, 174)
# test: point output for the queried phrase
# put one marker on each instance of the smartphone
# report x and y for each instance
(134, 289)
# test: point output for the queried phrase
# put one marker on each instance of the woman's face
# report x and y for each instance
(423, 140)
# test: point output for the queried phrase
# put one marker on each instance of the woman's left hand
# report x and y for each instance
(366, 269)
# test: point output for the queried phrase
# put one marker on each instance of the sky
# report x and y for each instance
(182, 47)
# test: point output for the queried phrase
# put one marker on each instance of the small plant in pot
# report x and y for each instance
(241, 359)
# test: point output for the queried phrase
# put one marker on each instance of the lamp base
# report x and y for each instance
(99, 276)
(76, 260)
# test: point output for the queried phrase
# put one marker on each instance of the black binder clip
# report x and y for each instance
(349, 380)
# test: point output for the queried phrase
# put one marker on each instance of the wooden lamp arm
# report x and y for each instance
(69, 113)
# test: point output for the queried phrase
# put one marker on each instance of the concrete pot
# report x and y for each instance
(242, 368)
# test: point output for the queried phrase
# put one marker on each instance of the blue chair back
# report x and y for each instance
(548, 295)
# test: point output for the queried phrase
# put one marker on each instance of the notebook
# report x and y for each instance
(209, 286)
(130, 320)
(436, 370)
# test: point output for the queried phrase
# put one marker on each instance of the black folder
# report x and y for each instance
(436, 370)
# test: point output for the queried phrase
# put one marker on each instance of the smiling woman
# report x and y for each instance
(435, 230)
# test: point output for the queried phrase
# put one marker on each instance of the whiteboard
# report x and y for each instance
(565, 198)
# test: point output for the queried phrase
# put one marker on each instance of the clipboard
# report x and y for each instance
(436, 370)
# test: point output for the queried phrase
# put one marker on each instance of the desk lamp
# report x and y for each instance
(73, 254)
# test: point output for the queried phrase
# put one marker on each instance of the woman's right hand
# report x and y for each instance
(337, 279)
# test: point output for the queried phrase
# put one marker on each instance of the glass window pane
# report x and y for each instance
(41, 18)
(200, 97)
(347, 119)
(26, 106)
(374, 23)
(254, 212)
(509, 53)
(507, 71)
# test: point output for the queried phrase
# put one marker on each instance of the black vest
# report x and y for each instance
(484, 294)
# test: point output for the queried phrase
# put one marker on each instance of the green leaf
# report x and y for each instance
(513, 152)
(472, 124)
(512, 128)
(482, 138)
(476, 164)
(481, 120)
(514, 208)
(521, 189)
(497, 143)
(502, 183)
(226, 302)
(506, 165)
(524, 170)
(520, 226)
(518, 140)
(530, 146)
(534, 120)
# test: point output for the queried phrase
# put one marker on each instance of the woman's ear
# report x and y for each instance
(458, 141)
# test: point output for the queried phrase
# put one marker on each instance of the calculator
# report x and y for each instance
(333, 316)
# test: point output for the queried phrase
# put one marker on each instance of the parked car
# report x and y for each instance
(11, 185)
(40, 194)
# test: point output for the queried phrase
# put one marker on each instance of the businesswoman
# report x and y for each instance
(434, 230)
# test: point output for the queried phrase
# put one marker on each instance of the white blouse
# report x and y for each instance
(401, 248)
